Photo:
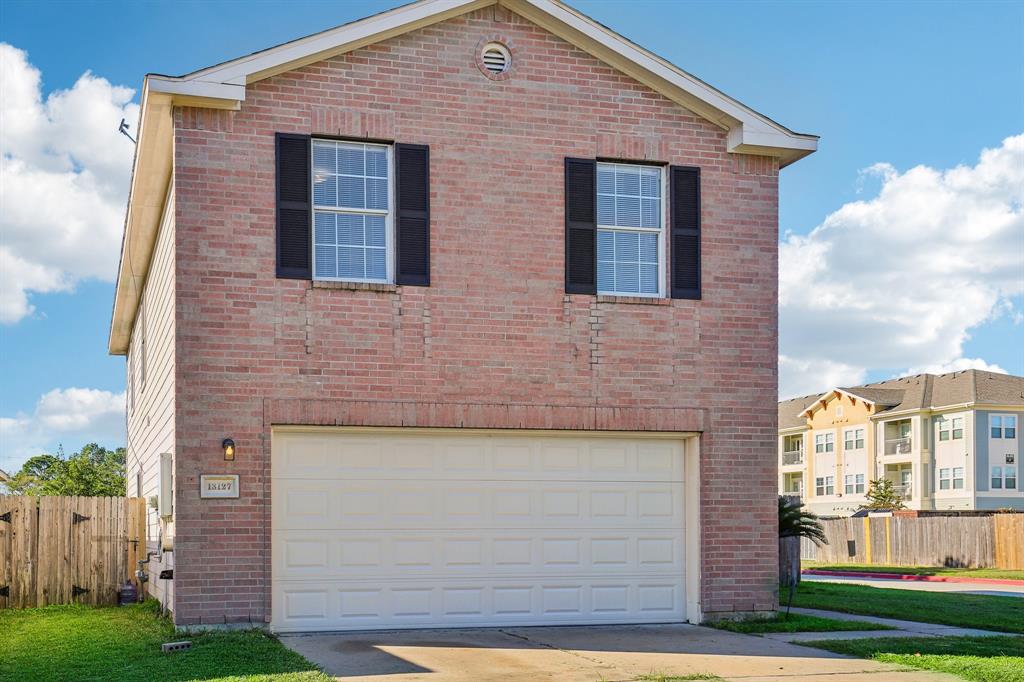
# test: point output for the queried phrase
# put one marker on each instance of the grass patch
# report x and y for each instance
(658, 677)
(85, 643)
(920, 570)
(1004, 614)
(795, 623)
(979, 659)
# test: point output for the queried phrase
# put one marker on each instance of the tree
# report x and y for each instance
(93, 471)
(796, 522)
(881, 495)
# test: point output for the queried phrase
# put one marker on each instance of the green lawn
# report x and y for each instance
(794, 623)
(84, 643)
(1005, 614)
(980, 659)
(920, 570)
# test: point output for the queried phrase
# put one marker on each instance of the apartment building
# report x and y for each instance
(947, 441)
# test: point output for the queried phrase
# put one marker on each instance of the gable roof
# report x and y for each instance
(918, 392)
(223, 86)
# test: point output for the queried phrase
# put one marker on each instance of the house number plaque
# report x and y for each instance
(218, 486)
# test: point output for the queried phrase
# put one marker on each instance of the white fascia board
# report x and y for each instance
(230, 95)
(344, 38)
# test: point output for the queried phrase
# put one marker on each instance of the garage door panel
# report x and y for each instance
(303, 504)
(352, 555)
(398, 456)
(477, 603)
(429, 529)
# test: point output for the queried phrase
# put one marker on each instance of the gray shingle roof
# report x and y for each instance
(921, 391)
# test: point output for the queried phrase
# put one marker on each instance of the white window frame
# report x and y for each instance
(853, 484)
(1003, 427)
(958, 477)
(854, 439)
(824, 486)
(1003, 474)
(389, 214)
(827, 441)
(662, 231)
(948, 427)
(945, 478)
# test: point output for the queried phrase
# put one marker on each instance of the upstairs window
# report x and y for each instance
(825, 442)
(1003, 425)
(951, 478)
(854, 484)
(854, 439)
(630, 217)
(1004, 478)
(352, 216)
(951, 429)
(824, 485)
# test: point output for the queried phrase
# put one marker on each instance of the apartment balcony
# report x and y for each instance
(899, 446)
(905, 491)
(792, 457)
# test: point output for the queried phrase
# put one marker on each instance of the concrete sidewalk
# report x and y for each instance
(925, 586)
(606, 653)
(906, 628)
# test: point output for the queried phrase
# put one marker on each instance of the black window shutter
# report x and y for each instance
(685, 197)
(412, 214)
(580, 226)
(294, 219)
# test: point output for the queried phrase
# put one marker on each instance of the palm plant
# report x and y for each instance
(796, 522)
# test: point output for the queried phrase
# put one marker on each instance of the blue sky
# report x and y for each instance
(902, 84)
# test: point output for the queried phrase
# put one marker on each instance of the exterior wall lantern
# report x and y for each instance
(229, 450)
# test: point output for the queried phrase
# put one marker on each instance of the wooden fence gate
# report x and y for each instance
(68, 550)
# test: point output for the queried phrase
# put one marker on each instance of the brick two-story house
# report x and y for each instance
(477, 300)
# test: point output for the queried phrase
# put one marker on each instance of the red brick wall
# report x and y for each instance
(494, 341)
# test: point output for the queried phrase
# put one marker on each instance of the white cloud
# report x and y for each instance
(64, 174)
(899, 280)
(72, 416)
(957, 365)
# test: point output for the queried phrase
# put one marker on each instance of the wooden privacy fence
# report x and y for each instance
(68, 550)
(995, 541)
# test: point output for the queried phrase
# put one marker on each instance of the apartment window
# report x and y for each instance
(794, 484)
(854, 484)
(951, 429)
(1004, 478)
(793, 443)
(951, 478)
(824, 485)
(825, 442)
(352, 217)
(1003, 425)
(854, 439)
(630, 212)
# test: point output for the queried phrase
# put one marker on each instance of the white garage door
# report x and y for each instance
(394, 529)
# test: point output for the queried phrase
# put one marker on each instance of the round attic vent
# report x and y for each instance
(496, 58)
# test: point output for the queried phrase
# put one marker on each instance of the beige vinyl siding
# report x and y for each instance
(151, 408)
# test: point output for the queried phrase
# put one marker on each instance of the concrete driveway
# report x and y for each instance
(606, 653)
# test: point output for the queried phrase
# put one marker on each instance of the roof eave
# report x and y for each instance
(151, 175)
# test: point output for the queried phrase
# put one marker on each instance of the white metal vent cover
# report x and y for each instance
(496, 58)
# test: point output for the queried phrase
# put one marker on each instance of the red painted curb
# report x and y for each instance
(909, 576)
